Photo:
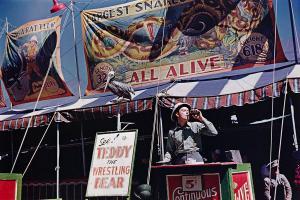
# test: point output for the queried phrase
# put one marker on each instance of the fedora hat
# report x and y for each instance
(274, 163)
(176, 109)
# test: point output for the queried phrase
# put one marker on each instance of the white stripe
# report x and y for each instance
(5, 116)
(78, 104)
(240, 85)
(294, 83)
(137, 93)
(182, 89)
(295, 73)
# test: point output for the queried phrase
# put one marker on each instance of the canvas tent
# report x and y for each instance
(210, 92)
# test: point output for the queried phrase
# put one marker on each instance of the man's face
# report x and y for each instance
(183, 114)
(274, 171)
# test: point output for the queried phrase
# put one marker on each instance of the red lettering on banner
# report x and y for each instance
(152, 75)
(106, 182)
(120, 182)
(101, 152)
(213, 61)
(127, 150)
(172, 72)
(143, 77)
(113, 152)
(112, 170)
(135, 78)
(193, 67)
(181, 70)
(203, 67)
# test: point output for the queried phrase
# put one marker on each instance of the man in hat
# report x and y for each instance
(184, 142)
(276, 181)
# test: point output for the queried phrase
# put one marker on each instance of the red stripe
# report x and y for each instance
(131, 106)
(123, 108)
(291, 84)
(246, 97)
(181, 99)
(269, 90)
(140, 105)
(105, 109)
(6, 125)
(37, 121)
(32, 121)
(190, 101)
(46, 119)
(280, 87)
(223, 100)
(149, 104)
(114, 108)
(11, 124)
(234, 99)
(258, 94)
(211, 102)
(200, 102)
(19, 124)
(25, 122)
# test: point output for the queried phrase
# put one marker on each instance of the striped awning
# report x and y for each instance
(208, 92)
(85, 108)
(234, 99)
(236, 90)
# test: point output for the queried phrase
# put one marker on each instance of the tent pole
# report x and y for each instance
(12, 147)
(293, 30)
(82, 148)
(294, 124)
(6, 24)
(57, 156)
(75, 46)
(161, 135)
(119, 119)
(152, 140)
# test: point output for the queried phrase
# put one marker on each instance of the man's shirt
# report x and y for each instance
(188, 137)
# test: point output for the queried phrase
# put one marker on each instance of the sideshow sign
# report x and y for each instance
(10, 186)
(112, 164)
(242, 186)
(204, 187)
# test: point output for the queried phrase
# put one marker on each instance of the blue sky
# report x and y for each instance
(19, 12)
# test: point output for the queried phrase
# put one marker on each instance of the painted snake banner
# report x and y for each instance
(152, 41)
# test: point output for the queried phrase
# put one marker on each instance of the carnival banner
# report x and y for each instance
(112, 164)
(151, 41)
(2, 100)
(29, 51)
